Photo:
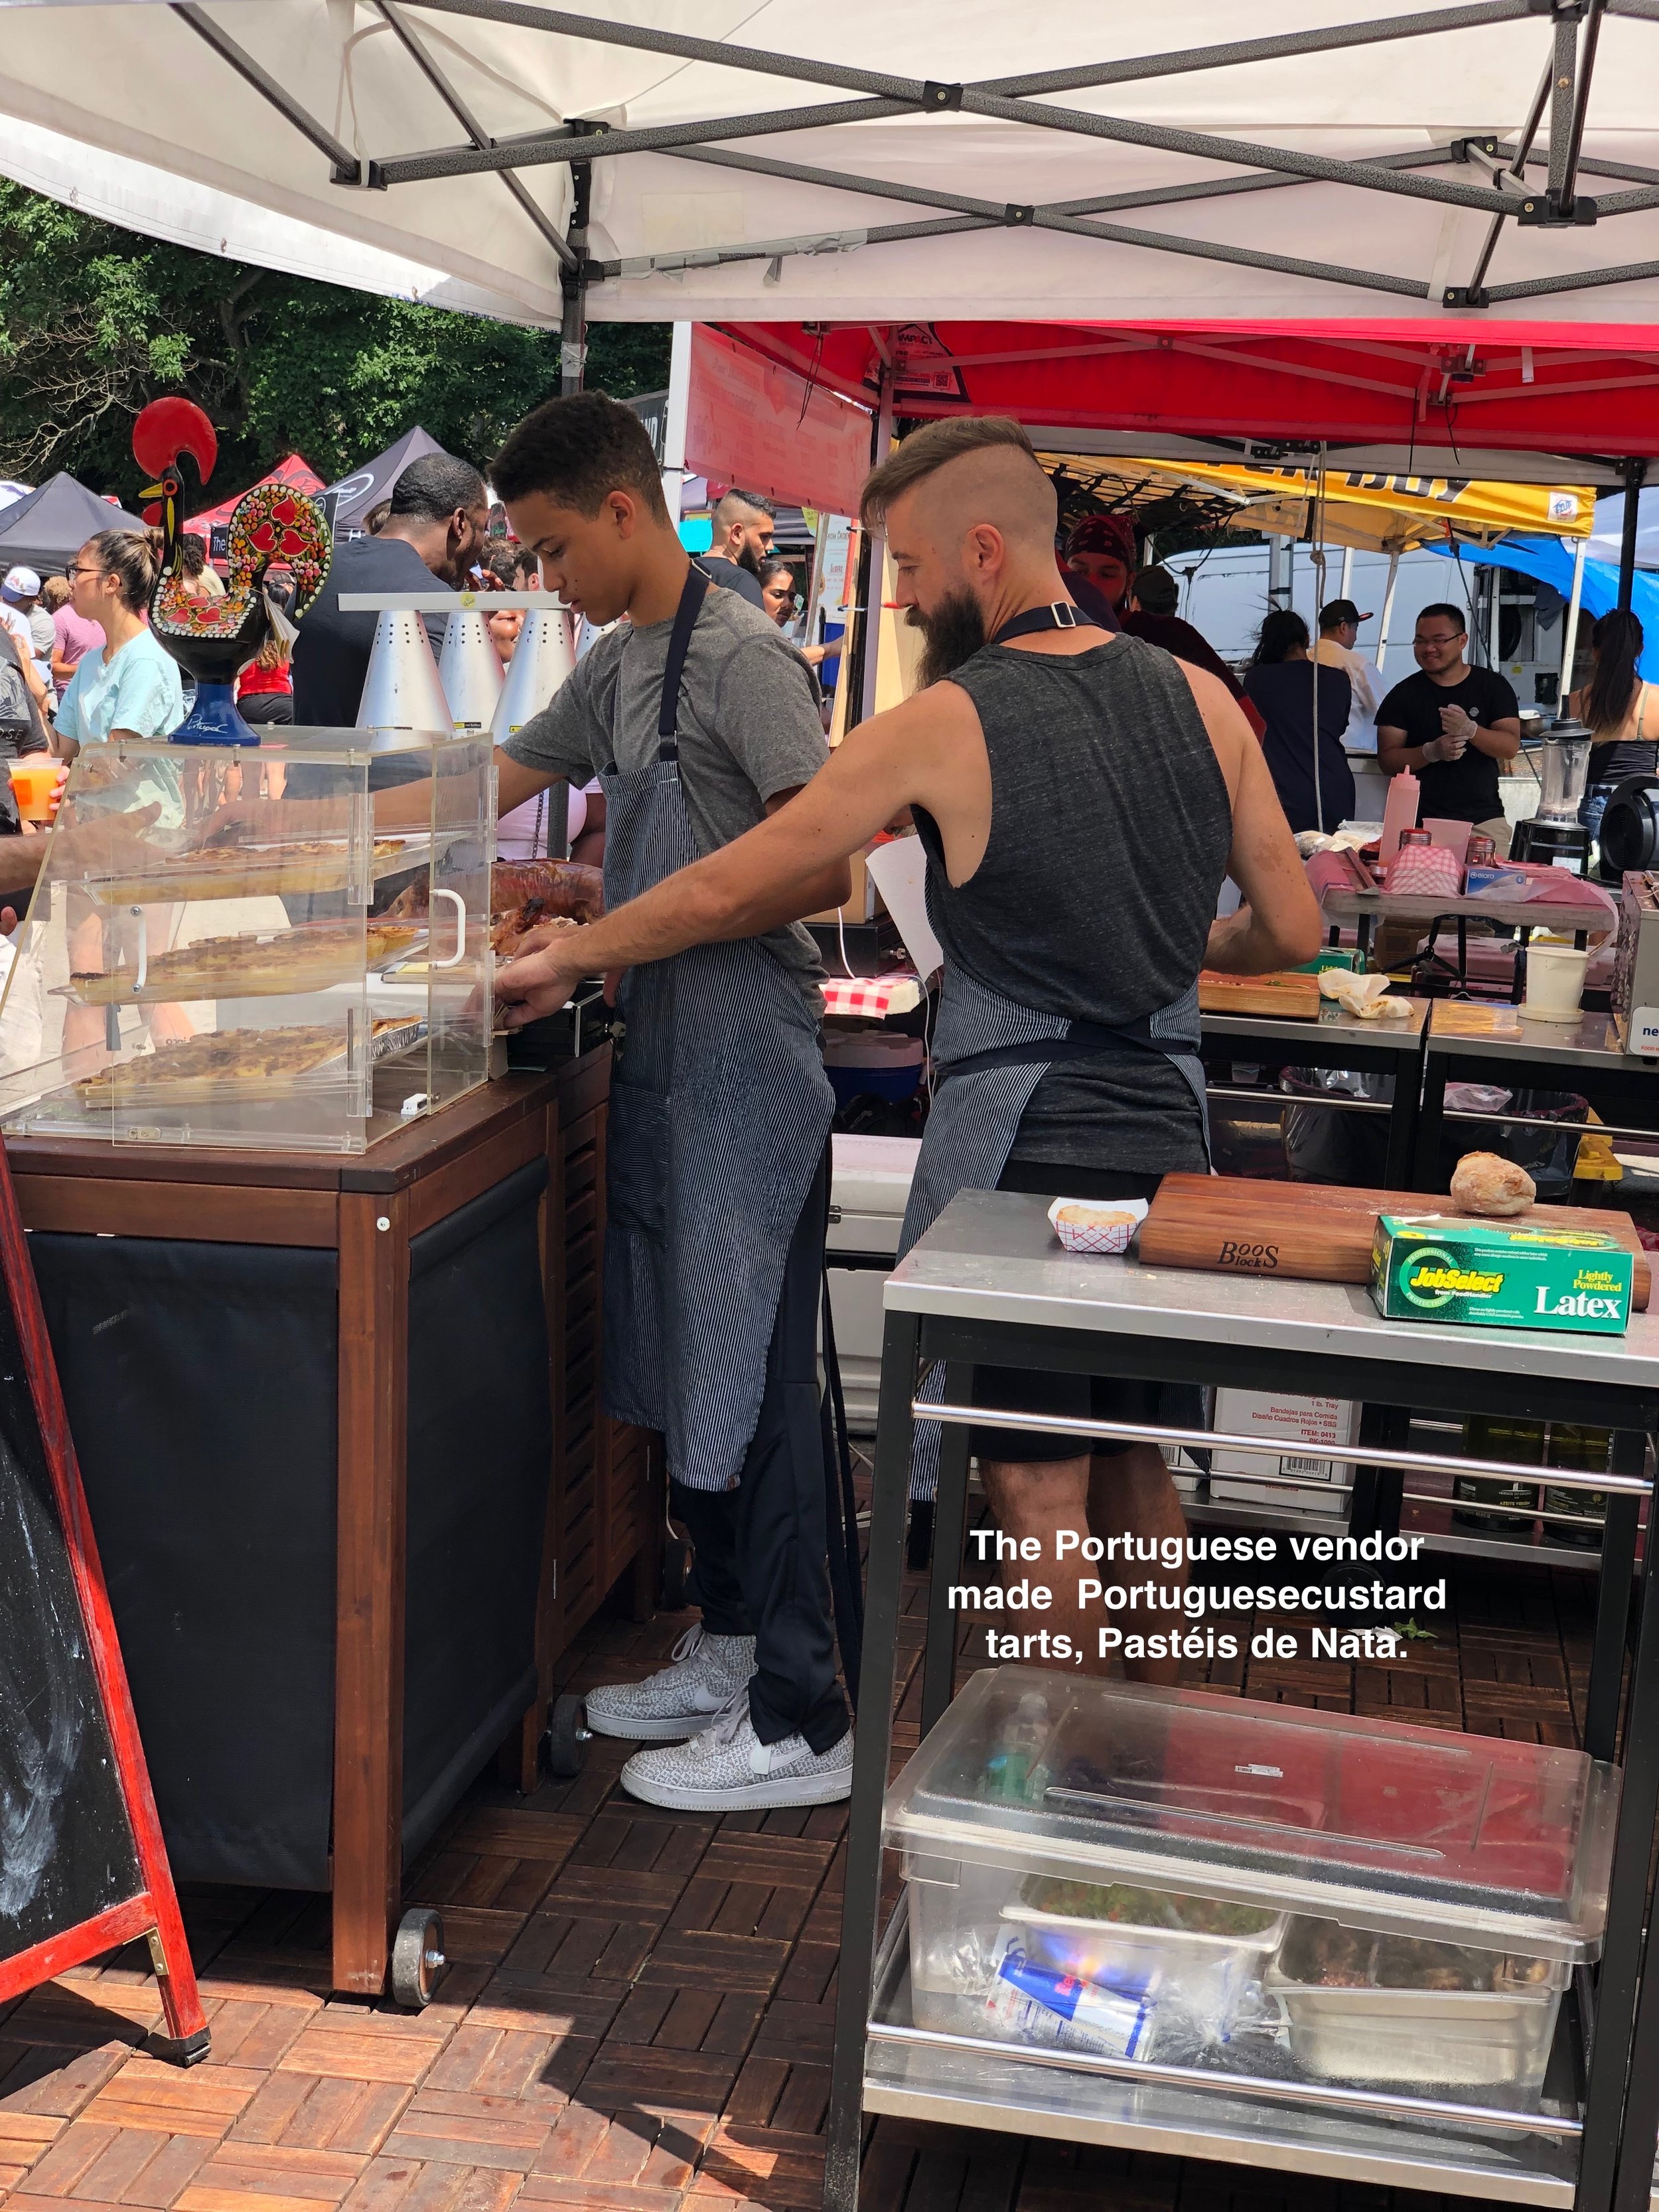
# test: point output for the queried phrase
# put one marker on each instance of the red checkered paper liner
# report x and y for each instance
(876, 996)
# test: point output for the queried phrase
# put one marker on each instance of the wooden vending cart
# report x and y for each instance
(325, 1299)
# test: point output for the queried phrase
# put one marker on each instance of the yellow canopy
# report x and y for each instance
(1379, 514)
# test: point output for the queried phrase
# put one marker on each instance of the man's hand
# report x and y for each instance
(540, 981)
(1448, 746)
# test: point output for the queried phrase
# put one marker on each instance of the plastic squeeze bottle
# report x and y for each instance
(1018, 1753)
(1399, 812)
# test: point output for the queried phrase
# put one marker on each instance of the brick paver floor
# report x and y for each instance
(638, 2018)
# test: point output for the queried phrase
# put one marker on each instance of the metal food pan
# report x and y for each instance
(1117, 1952)
(1494, 2038)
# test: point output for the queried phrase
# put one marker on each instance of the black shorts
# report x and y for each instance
(1074, 1397)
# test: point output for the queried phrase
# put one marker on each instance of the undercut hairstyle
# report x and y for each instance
(126, 555)
(925, 452)
(736, 504)
(1446, 611)
(434, 486)
(576, 451)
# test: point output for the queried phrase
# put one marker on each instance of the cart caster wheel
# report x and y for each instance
(418, 1964)
(567, 1739)
(676, 1572)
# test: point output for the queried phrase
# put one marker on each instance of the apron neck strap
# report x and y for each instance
(1062, 615)
(698, 588)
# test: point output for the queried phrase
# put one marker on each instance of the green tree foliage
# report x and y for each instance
(95, 321)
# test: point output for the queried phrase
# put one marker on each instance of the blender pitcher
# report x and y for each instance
(1563, 770)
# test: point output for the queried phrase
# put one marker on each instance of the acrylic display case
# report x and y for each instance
(284, 948)
(1297, 1895)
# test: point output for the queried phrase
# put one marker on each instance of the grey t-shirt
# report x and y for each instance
(749, 728)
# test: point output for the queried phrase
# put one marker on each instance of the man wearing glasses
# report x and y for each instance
(1451, 724)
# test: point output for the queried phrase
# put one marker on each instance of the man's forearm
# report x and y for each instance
(19, 863)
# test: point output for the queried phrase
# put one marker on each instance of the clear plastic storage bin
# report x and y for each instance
(276, 947)
(1331, 1898)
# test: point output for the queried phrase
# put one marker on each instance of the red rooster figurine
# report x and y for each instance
(272, 525)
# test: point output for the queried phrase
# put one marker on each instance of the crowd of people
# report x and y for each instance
(1313, 702)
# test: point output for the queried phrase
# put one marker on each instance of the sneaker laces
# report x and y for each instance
(723, 1731)
(688, 1645)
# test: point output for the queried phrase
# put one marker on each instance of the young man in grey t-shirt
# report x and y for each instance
(716, 1156)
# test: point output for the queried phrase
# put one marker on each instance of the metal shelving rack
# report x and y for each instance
(986, 1286)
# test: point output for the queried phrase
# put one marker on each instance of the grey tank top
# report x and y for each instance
(1110, 828)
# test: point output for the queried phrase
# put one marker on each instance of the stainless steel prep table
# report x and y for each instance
(1338, 1039)
(989, 1285)
(1366, 909)
(1487, 1044)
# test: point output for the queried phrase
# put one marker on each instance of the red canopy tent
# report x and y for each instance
(1543, 403)
(295, 472)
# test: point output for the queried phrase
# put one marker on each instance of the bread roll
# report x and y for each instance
(1482, 1183)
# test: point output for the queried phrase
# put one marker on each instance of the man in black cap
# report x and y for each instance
(1338, 627)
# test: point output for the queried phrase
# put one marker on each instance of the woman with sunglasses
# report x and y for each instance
(132, 689)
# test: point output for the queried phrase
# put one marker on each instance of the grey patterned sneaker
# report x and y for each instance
(705, 1672)
(729, 1770)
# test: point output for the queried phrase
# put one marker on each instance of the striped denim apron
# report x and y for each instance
(720, 1113)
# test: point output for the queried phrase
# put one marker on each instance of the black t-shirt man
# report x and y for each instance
(1450, 723)
(732, 576)
(330, 655)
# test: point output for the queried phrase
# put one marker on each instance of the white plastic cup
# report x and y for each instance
(1555, 982)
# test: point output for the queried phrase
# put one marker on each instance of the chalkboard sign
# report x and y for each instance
(83, 1867)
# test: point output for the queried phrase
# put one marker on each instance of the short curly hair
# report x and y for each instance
(577, 450)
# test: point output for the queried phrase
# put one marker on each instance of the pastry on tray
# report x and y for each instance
(316, 865)
(222, 1064)
(309, 957)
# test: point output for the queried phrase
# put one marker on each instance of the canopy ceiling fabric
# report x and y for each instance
(815, 167)
(1511, 403)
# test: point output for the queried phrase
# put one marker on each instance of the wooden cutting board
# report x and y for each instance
(1284, 995)
(1316, 1232)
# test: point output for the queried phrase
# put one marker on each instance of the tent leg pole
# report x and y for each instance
(1495, 616)
(878, 585)
(1569, 633)
(1347, 588)
(680, 408)
(573, 283)
(1635, 476)
(1388, 611)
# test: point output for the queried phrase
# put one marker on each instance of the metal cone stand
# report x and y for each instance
(470, 670)
(402, 690)
(541, 660)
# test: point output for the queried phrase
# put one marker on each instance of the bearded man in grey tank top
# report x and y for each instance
(1080, 799)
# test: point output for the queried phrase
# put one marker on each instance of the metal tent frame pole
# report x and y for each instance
(1570, 634)
(680, 408)
(1635, 474)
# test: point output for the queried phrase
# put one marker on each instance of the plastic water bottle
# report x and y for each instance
(1016, 1763)
(1030, 2003)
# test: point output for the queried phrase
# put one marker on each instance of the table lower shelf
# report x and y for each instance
(938, 2079)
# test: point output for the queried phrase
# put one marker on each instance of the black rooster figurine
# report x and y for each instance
(270, 525)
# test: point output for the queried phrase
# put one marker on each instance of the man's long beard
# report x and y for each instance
(748, 558)
(954, 632)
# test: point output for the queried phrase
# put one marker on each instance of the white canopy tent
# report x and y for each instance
(708, 160)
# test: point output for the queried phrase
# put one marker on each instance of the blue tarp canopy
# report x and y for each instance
(1550, 559)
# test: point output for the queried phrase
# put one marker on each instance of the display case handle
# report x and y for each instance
(143, 949)
(459, 953)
